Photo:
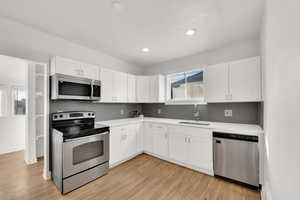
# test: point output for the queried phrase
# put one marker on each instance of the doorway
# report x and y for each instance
(24, 108)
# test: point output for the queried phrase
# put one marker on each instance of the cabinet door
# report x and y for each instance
(177, 144)
(139, 132)
(160, 140)
(131, 89)
(128, 141)
(142, 89)
(199, 149)
(114, 145)
(66, 66)
(153, 89)
(90, 71)
(245, 80)
(106, 85)
(216, 83)
(148, 137)
(119, 87)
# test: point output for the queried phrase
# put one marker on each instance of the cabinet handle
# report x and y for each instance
(189, 139)
(185, 140)
(166, 135)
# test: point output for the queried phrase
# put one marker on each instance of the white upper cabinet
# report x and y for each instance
(107, 82)
(150, 89)
(131, 88)
(142, 89)
(73, 68)
(119, 87)
(238, 81)
(245, 80)
(90, 71)
(216, 83)
(113, 86)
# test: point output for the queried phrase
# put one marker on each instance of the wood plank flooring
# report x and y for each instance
(142, 178)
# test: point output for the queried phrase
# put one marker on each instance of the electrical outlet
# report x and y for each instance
(158, 111)
(228, 113)
(121, 112)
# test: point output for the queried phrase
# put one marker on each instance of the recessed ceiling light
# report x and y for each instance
(190, 32)
(145, 49)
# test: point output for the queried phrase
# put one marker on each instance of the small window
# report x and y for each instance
(186, 87)
(3, 100)
(19, 101)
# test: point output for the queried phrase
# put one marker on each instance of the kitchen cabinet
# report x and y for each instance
(128, 141)
(216, 83)
(139, 137)
(142, 89)
(160, 140)
(148, 137)
(192, 146)
(157, 89)
(245, 80)
(238, 81)
(114, 145)
(131, 88)
(122, 143)
(73, 68)
(114, 86)
(150, 89)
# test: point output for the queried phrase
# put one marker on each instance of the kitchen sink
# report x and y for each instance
(195, 123)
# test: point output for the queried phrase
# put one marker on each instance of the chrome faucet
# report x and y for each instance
(196, 112)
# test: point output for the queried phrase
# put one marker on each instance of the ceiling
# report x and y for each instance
(122, 29)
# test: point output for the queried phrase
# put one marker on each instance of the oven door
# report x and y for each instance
(83, 153)
(70, 87)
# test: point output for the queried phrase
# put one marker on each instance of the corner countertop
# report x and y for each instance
(243, 129)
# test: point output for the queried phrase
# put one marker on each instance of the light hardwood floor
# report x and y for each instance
(142, 178)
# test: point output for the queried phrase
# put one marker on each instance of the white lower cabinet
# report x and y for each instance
(188, 146)
(124, 143)
(192, 146)
(160, 140)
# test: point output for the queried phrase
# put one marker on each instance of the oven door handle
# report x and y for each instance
(87, 137)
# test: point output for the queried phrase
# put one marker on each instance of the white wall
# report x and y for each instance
(281, 46)
(25, 42)
(12, 128)
(235, 51)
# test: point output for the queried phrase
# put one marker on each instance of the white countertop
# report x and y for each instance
(243, 129)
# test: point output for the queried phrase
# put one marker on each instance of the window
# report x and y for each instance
(186, 87)
(3, 100)
(19, 101)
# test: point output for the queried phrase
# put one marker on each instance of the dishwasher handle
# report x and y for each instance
(249, 138)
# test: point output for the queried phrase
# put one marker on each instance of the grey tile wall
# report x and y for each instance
(248, 113)
(104, 111)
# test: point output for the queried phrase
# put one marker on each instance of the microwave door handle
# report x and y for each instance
(92, 89)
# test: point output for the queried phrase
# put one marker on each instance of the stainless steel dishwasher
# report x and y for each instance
(236, 157)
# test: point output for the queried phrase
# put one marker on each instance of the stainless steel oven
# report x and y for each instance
(79, 149)
(77, 88)
(83, 153)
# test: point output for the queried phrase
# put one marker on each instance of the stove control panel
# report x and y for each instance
(72, 115)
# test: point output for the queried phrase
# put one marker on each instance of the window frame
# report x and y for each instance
(13, 97)
(184, 101)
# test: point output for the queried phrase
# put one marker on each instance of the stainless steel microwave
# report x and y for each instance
(75, 88)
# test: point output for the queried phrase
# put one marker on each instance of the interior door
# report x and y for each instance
(245, 80)
(216, 83)
(178, 145)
